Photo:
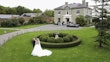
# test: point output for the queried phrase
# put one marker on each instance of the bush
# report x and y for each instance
(44, 38)
(61, 45)
(13, 22)
(51, 34)
(51, 40)
(63, 37)
(66, 39)
(59, 40)
(80, 20)
(36, 20)
(70, 37)
(21, 21)
(62, 34)
(10, 23)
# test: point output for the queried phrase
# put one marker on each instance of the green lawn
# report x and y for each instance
(19, 49)
(3, 31)
(28, 26)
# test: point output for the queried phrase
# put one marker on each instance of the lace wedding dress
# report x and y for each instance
(38, 51)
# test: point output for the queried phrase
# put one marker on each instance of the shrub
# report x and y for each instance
(51, 34)
(59, 40)
(43, 38)
(61, 45)
(10, 23)
(62, 34)
(66, 39)
(80, 20)
(70, 37)
(51, 39)
(21, 21)
(36, 20)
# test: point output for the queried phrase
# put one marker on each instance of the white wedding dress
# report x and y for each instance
(38, 51)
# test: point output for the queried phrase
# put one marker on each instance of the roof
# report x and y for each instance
(7, 16)
(31, 14)
(71, 6)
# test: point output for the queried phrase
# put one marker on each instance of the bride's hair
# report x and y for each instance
(37, 40)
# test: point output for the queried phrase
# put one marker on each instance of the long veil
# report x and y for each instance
(38, 51)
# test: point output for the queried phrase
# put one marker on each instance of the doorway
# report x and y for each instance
(67, 20)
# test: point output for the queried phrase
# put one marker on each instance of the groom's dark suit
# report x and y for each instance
(33, 42)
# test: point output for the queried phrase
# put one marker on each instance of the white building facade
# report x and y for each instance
(69, 12)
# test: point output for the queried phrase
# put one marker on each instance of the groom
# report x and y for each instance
(33, 42)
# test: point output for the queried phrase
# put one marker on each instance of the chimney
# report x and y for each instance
(66, 3)
(83, 2)
(87, 4)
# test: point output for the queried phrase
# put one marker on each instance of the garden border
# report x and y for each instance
(61, 45)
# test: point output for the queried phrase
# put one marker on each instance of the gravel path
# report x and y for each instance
(5, 37)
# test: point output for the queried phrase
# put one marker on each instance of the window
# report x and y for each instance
(67, 12)
(78, 11)
(59, 20)
(59, 12)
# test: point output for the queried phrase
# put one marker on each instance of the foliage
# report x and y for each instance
(15, 10)
(20, 10)
(61, 45)
(66, 39)
(44, 38)
(49, 13)
(2, 10)
(13, 22)
(80, 20)
(62, 37)
(37, 11)
(62, 34)
(71, 37)
(9, 10)
(59, 40)
(103, 24)
(10, 23)
(21, 21)
(36, 20)
(51, 40)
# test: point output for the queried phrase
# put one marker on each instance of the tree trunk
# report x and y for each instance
(100, 44)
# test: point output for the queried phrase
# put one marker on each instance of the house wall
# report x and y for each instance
(56, 15)
(75, 14)
(72, 12)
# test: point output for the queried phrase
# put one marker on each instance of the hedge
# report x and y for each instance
(61, 45)
(64, 40)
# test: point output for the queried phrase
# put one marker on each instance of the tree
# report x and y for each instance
(20, 10)
(37, 11)
(80, 20)
(2, 10)
(49, 13)
(103, 25)
(9, 10)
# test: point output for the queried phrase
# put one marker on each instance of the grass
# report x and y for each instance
(28, 26)
(19, 49)
(3, 31)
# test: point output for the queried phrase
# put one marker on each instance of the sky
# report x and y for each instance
(41, 4)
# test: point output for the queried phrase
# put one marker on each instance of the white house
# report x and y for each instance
(68, 12)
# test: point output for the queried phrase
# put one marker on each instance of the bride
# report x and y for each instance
(38, 51)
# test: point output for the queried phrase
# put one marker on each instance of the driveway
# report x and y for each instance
(5, 37)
